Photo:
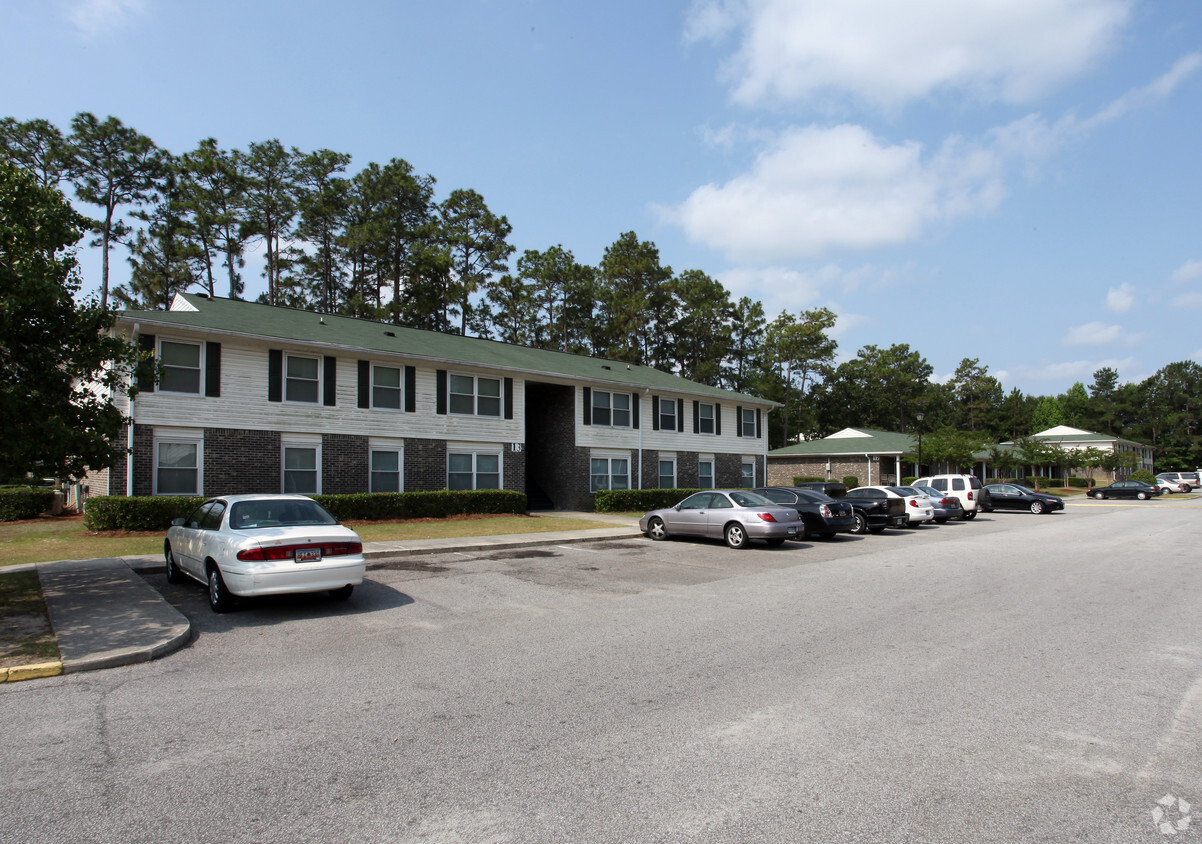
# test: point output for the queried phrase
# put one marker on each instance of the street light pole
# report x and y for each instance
(919, 416)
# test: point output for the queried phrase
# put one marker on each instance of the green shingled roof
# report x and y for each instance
(252, 319)
(871, 442)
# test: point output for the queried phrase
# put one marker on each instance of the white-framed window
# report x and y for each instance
(472, 395)
(705, 471)
(747, 421)
(667, 415)
(473, 470)
(611, 409)
(705, 418)
(178, 462)
(747, 481)
(387, 465)
(667, 472)
(609, 472)
(387, 387)
(181, 367)
(300, 465)
(302, 379)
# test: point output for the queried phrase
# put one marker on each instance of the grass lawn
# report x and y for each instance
(65, 538)
(25, 634)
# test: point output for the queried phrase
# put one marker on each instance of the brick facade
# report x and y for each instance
(425, 465)
(782, 470)
(345, 464)
(239, 461)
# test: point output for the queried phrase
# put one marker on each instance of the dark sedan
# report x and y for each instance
(1018, 497)
(1125, 489)
(822, 515)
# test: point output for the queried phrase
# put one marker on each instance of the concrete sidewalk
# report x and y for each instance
(104, 614)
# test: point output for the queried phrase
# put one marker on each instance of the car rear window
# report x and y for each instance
(283, 512)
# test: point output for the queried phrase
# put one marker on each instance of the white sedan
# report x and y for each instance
(244, 545)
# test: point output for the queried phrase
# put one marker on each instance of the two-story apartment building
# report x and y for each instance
(255, 398)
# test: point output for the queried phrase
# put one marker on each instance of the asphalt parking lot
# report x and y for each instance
(1015, 678)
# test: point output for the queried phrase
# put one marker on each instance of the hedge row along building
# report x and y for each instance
(252, 398)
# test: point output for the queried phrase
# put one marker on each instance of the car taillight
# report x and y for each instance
(913, 502)
(767, 517)
(970, 495)
(825, 511)
(288, 552)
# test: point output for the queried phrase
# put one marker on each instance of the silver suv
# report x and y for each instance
(1188, 479)
(968, 488)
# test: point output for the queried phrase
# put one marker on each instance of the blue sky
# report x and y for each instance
(1012, 180)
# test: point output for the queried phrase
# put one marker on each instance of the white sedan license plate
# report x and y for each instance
(308, 555)
(792, 531)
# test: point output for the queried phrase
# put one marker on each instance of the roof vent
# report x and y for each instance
(606, 366)
(321, 320)
(203, 295)
(389, 333)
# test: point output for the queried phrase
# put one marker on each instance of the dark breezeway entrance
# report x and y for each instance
(556, 477)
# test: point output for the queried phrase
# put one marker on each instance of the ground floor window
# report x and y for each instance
(474, 470)
(177, 465)
(609, 473)
(748, 478)
(667, 474)
(386, 466)
(705, 473)
(301, 461)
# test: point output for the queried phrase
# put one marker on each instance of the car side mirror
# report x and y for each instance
(178, 522)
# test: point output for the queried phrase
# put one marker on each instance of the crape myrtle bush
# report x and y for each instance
(851, 481)
(1144, 475)
(24, 502)
(639, 500)
(807, 479)
(156, 512)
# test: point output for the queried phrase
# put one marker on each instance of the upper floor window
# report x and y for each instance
(747, 421)
(705, 418)
(611, 409)
(386, 387)
(181, 367)
(667, 415)
(474, 396)
(302, 380)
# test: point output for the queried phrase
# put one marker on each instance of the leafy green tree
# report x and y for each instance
(1172, 399)
(164, 257)
(747, 326)
(564, 295)
(703, 327)
(270, 172)
(212, 198)
(947, 446)
(978, 393)
(58, 361)
(322, 199)
(112, 166)
(1048, 414)
(513, 310)
(1075, 403)
(36, 145)
(637, 303)
(1102, 393)
(478, 245)
(800, 349)
(879, 388)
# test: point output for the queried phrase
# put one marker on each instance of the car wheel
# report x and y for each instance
(1036, 507)
(775, 541)
(1187, 488)
(876, 530)
(942, 521)
(736, 535)
(1141, 495)
(220, 598)
(1098, 496)
(342, 592)
(174, 575)
(656, 529)
(968, 517)
(861, 524)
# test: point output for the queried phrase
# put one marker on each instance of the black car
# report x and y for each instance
(1125, 489)
(822, 515)
(1018, 497)
(876, 510)
(835, 489)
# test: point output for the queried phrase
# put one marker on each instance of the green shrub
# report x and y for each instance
(1082, 483)
(1144, 475)
(851, 481)
(807, 479)
(24, 502)
(155, 512)
(908, 480)
(639, 500)
(1054, 482)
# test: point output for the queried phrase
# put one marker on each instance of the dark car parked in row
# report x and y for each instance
(876, 510)
(822, 515)
(835, 489)
(1018, 497)
(947, 506)
(1124, 489)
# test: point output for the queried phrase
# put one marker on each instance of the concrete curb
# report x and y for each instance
(30, 672)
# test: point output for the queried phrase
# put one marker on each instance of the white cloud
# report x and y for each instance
(1188, 271)
(97, 17)
(1099, 334)
(1120, 299)
(892, 53)
(1191, 301)
(1065, 372)
(813, 189)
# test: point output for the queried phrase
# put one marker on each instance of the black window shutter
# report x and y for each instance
(364, 383)
(410, 389)
(739, 421)
(213, 370)
(588, 406)
(440, 405)
(680, 415)
(275, 375)
(508, 398)
(634, 408)
(655, 413)
(331, 386)
(145, 374)
(696, 417)
(717, 420)
(759, 431)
